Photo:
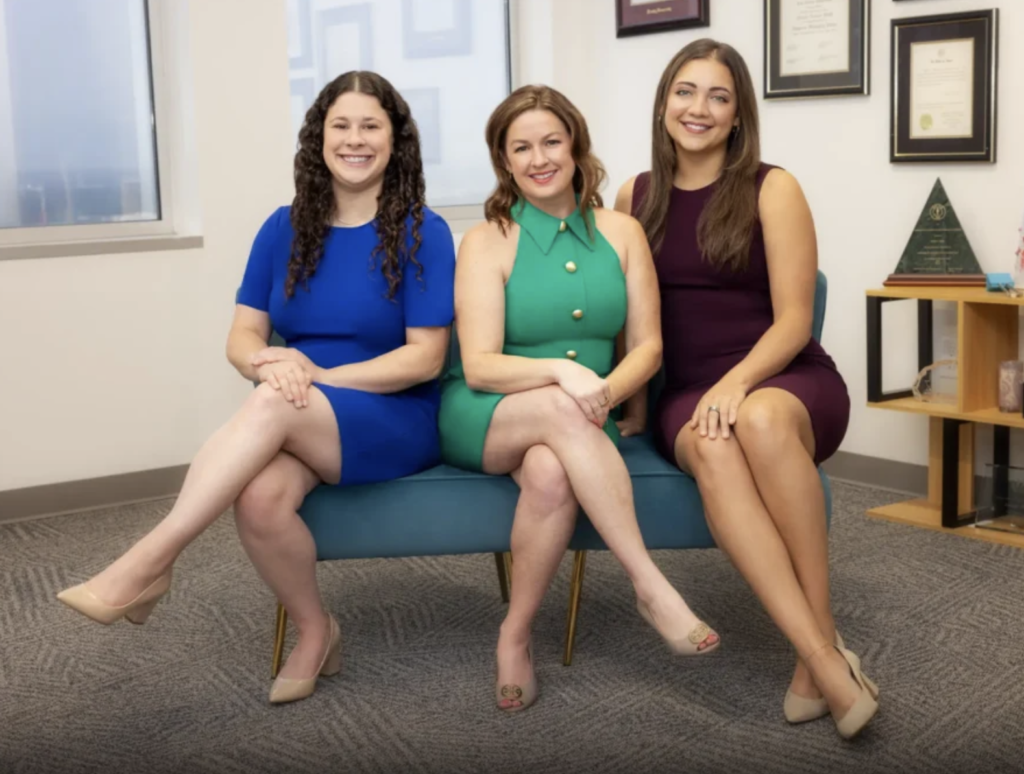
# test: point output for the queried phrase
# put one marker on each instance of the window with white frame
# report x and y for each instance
(78, 143)
(448, 58)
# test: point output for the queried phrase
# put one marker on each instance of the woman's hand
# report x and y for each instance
(591, 393)
(279, 354)
(631, 426)
(718, 409)
(290, 378)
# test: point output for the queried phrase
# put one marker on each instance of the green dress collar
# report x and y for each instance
(544, 228)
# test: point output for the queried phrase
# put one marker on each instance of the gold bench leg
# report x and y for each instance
(282, 627)
(503, 561)
(579, 564)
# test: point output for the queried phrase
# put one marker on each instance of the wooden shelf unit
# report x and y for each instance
(987, 326)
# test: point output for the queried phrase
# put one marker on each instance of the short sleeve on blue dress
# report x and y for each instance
(428, 299)
(259, 271)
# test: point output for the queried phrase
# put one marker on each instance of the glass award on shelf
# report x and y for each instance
(1000, 498)
(937, 252)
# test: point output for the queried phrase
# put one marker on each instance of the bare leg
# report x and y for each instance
(284, 554)
(600, 482)
(544, 522)
(230, 459)
(746, 532)
(774, 430)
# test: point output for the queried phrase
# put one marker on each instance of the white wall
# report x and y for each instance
(864, 207)
(115, 363)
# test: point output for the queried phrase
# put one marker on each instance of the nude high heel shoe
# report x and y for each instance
(864, 708)
(525, 694)
(684, 646)
(800, 709)
(285, 689)
(137, 611)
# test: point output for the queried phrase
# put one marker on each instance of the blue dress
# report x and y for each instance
(345, 317)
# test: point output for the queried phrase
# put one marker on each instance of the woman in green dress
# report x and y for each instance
(542, 290)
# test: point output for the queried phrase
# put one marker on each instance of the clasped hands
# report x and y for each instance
(288, 371)
(591, 393)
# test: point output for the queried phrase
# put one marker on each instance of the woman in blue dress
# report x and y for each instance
(356, 277)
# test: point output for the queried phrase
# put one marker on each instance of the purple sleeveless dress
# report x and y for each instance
(712, 318)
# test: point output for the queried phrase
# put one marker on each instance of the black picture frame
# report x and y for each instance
(643, 17)
(850, 78)
(982, 28)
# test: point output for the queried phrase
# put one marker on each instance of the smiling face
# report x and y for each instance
(357, 141)
(538, 155)
(700, 111)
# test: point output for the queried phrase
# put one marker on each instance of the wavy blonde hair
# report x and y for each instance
(590, 173)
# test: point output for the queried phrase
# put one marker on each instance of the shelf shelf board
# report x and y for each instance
(970, 295)
(987, 416)
(921, 513)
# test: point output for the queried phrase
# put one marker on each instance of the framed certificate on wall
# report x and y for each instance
(816, 48)
(943, 105)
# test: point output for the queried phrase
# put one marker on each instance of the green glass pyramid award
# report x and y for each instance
(938, 252)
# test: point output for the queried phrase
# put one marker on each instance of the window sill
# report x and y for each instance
(99, 247)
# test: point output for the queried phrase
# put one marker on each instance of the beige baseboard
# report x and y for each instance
(90, 494)
(874, 471)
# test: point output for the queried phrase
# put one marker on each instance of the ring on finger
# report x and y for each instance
(713, 408)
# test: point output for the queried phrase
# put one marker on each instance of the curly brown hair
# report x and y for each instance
(725, 227)
(589, 173)
(402, 194)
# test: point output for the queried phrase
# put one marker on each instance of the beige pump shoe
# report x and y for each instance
(525, 694)
(799, 708)
(864, 708)
(684, 646)
(285, 690)
(137, 611)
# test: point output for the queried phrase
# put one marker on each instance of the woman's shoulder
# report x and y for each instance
(773, 180)
(628, 193)
(613, 222)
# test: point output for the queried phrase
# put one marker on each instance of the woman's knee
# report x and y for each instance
(713, 461)
(558, 410)
(765, 428)
(266, 403)
(544, 480)
(264, 505)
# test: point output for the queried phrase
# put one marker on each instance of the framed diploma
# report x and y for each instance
(943, 104)
(816, 48)
(640, 17)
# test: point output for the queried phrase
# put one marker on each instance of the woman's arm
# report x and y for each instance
(250, 331)
(642, 341)
(480, 317)
(792, 256)
(634, 412)
(419, 360)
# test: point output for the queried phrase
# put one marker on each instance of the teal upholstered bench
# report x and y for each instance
(447, 511)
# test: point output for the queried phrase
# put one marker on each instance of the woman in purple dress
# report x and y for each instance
(752, 403)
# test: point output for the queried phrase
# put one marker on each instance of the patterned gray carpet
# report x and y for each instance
(937, 620)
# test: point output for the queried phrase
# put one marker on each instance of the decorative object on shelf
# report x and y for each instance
(1011, 384)
(436, 28)
(930, 381)
(943, 96)
(816, 48)
(937, 252)
(640, 17)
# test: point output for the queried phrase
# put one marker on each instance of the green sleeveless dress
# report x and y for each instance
(566, 298)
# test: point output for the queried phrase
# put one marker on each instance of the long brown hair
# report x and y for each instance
(403, 192)
(589, 175)
(725, 226)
